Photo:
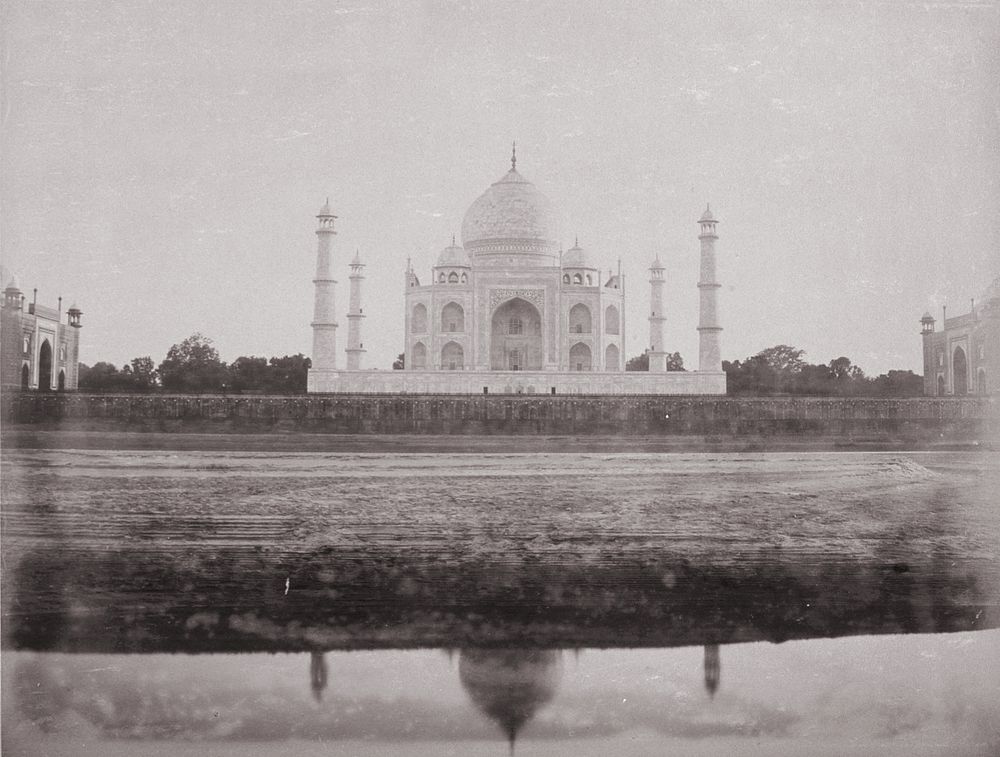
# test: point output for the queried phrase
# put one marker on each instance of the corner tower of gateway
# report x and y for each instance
(507, 311)
(963, 358)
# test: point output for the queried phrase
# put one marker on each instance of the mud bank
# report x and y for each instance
(160, 550)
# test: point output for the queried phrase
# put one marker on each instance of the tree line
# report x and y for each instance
(783, 370)
(194, 367)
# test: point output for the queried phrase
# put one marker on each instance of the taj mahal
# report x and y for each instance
(507, 311)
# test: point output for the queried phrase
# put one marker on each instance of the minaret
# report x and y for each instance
(930, 370)
(657, 320)
(709, 353)
(324, 323)
(355, 349)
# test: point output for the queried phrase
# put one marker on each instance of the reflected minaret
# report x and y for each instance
(317, 675)
(510, 685)
(712, 669)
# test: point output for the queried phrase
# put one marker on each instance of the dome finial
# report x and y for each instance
(513, 156)
(576, 240)
(452, 240)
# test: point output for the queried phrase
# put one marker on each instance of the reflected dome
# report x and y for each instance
(510, 685)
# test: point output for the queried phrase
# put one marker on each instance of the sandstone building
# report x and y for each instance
(964, 358)
(508, 311)
(37, 348)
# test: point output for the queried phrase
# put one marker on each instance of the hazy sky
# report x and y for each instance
(163, 161)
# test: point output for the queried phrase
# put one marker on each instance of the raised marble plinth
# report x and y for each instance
(516, 382)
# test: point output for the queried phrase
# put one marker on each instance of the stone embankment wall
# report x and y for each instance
(919, 418)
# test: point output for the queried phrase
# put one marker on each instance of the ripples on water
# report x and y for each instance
(234, 603)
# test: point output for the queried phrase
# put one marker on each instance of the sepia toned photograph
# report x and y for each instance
(499, 377)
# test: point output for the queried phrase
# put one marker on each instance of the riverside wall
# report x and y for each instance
(916, 419)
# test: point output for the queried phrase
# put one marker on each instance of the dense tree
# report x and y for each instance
(193, 366)
(400, 362)
(279, 375)
(898, 384)
(288, 374)
(752, 376)
(675, 362)
(783, 370)
(641, 362)
(783, 359)
(138, 376)
(142, 374)
(638, 363)
(247, 374)
(100, 377)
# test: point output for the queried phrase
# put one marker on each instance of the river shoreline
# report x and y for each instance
(29, 436)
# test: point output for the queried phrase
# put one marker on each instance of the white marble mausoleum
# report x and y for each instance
(506, 311)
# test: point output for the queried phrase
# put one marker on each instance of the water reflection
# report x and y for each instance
(317, 674)
(855, 695)
(713, 669)
(510, 685)
(869, 612)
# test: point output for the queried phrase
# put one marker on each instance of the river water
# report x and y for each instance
(247, 602)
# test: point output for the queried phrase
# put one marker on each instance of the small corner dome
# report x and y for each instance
(656, 265)
(575, 257)
(14, 284)
(707, 215)
(453, 256)
(927, 316)
(510, 209)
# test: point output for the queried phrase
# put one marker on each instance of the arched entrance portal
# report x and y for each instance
(960, 371)
(452, 357)
(516, 337)
(25, 377)
(45, 367)
(62, 381)
(611, 358)
(982, 381)
(419, 355)
(940, 386)
(579, 357)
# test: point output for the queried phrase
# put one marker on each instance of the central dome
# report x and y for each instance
(511, 216)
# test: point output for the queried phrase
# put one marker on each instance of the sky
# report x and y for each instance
(163, 162)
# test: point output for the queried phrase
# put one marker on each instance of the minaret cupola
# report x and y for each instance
(12, 297)
(927, 324)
